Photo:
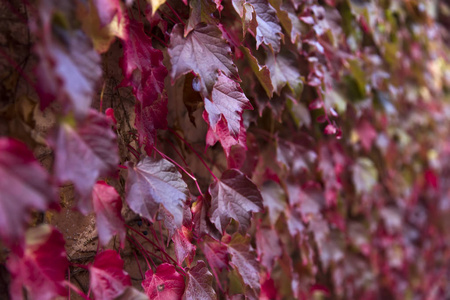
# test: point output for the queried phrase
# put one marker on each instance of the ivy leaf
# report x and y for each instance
(228, 101)
(182, 246)
(152, 183)
(223, 135)
(107, 10)
(288, 19)
(201, 12)
(107, 208)
(165, 284)
(284, 70)
(144, 71)
(42, 267)
(202, 224)
(268, 30)
(155, 4)
(199, 283)
(24, 186)
(234, 196)
(216, 254)
(68, 70)
(268, 247)
(204, 52)
(83, 152)
(248, 15)
(262, 73)
(274, 199)
(243, 258)
(108, 280)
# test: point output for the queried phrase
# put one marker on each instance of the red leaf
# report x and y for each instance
(42, 267)
(144, 71)
(216, 253)
(183, 247)
(199, 283)
(83, 152)
(228, 101)
(108, 279)
(152, 183)
(366, 133)
(107, 208)
(165, 284)
(244, 259)
(234, 196)
(24, 186)
(330, 129)
(223, 135)
(204, 52)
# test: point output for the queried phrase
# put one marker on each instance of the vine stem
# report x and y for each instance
(76, 290)
(175, 13)
(139, 265)
(175, 163)
(138, 245)
(155, 245)
(198, 155)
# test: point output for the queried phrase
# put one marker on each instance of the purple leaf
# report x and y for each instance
(152, 183)
(234, 196)
(199, 283)
(42, 267)
(244, 259)
(83, 152)
(68, 68)
(228, 101)
(222, 134)
(202, 224)
(268, 247)
(107, 208)
(108, 280)
(107, 9)
(204, 52)
(216, 254)
(284, 69)
(201, 12)
(268, 30)
(24, 186)
(274, 199)
(165, 284)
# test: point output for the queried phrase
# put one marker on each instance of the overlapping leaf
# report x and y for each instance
(24, 186)
(42, 267)
(165, 284)
(234, 196)
(284, 70)
(244, 259)
(152, 183)
(107, 208)
(227, 100)
(204, 52)
(144, 71)
(83, 152)
(199, 283)
(108, 280)
(222, 135)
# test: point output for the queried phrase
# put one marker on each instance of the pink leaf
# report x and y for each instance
(165, 284)
(183, 247)
(268, 247)
(330, 129)
(24, 186)
(107, 208)
(108, 279)
(152, 183)
(234, 196)
(42, 267)
(107, 9)
(216, 253)
(199, 283)
(144, 71)
(228, 101)
(204, 52)
(83, 152)
(223, 135)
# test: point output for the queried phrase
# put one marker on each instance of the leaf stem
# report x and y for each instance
(138, 245)
(198, 155)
